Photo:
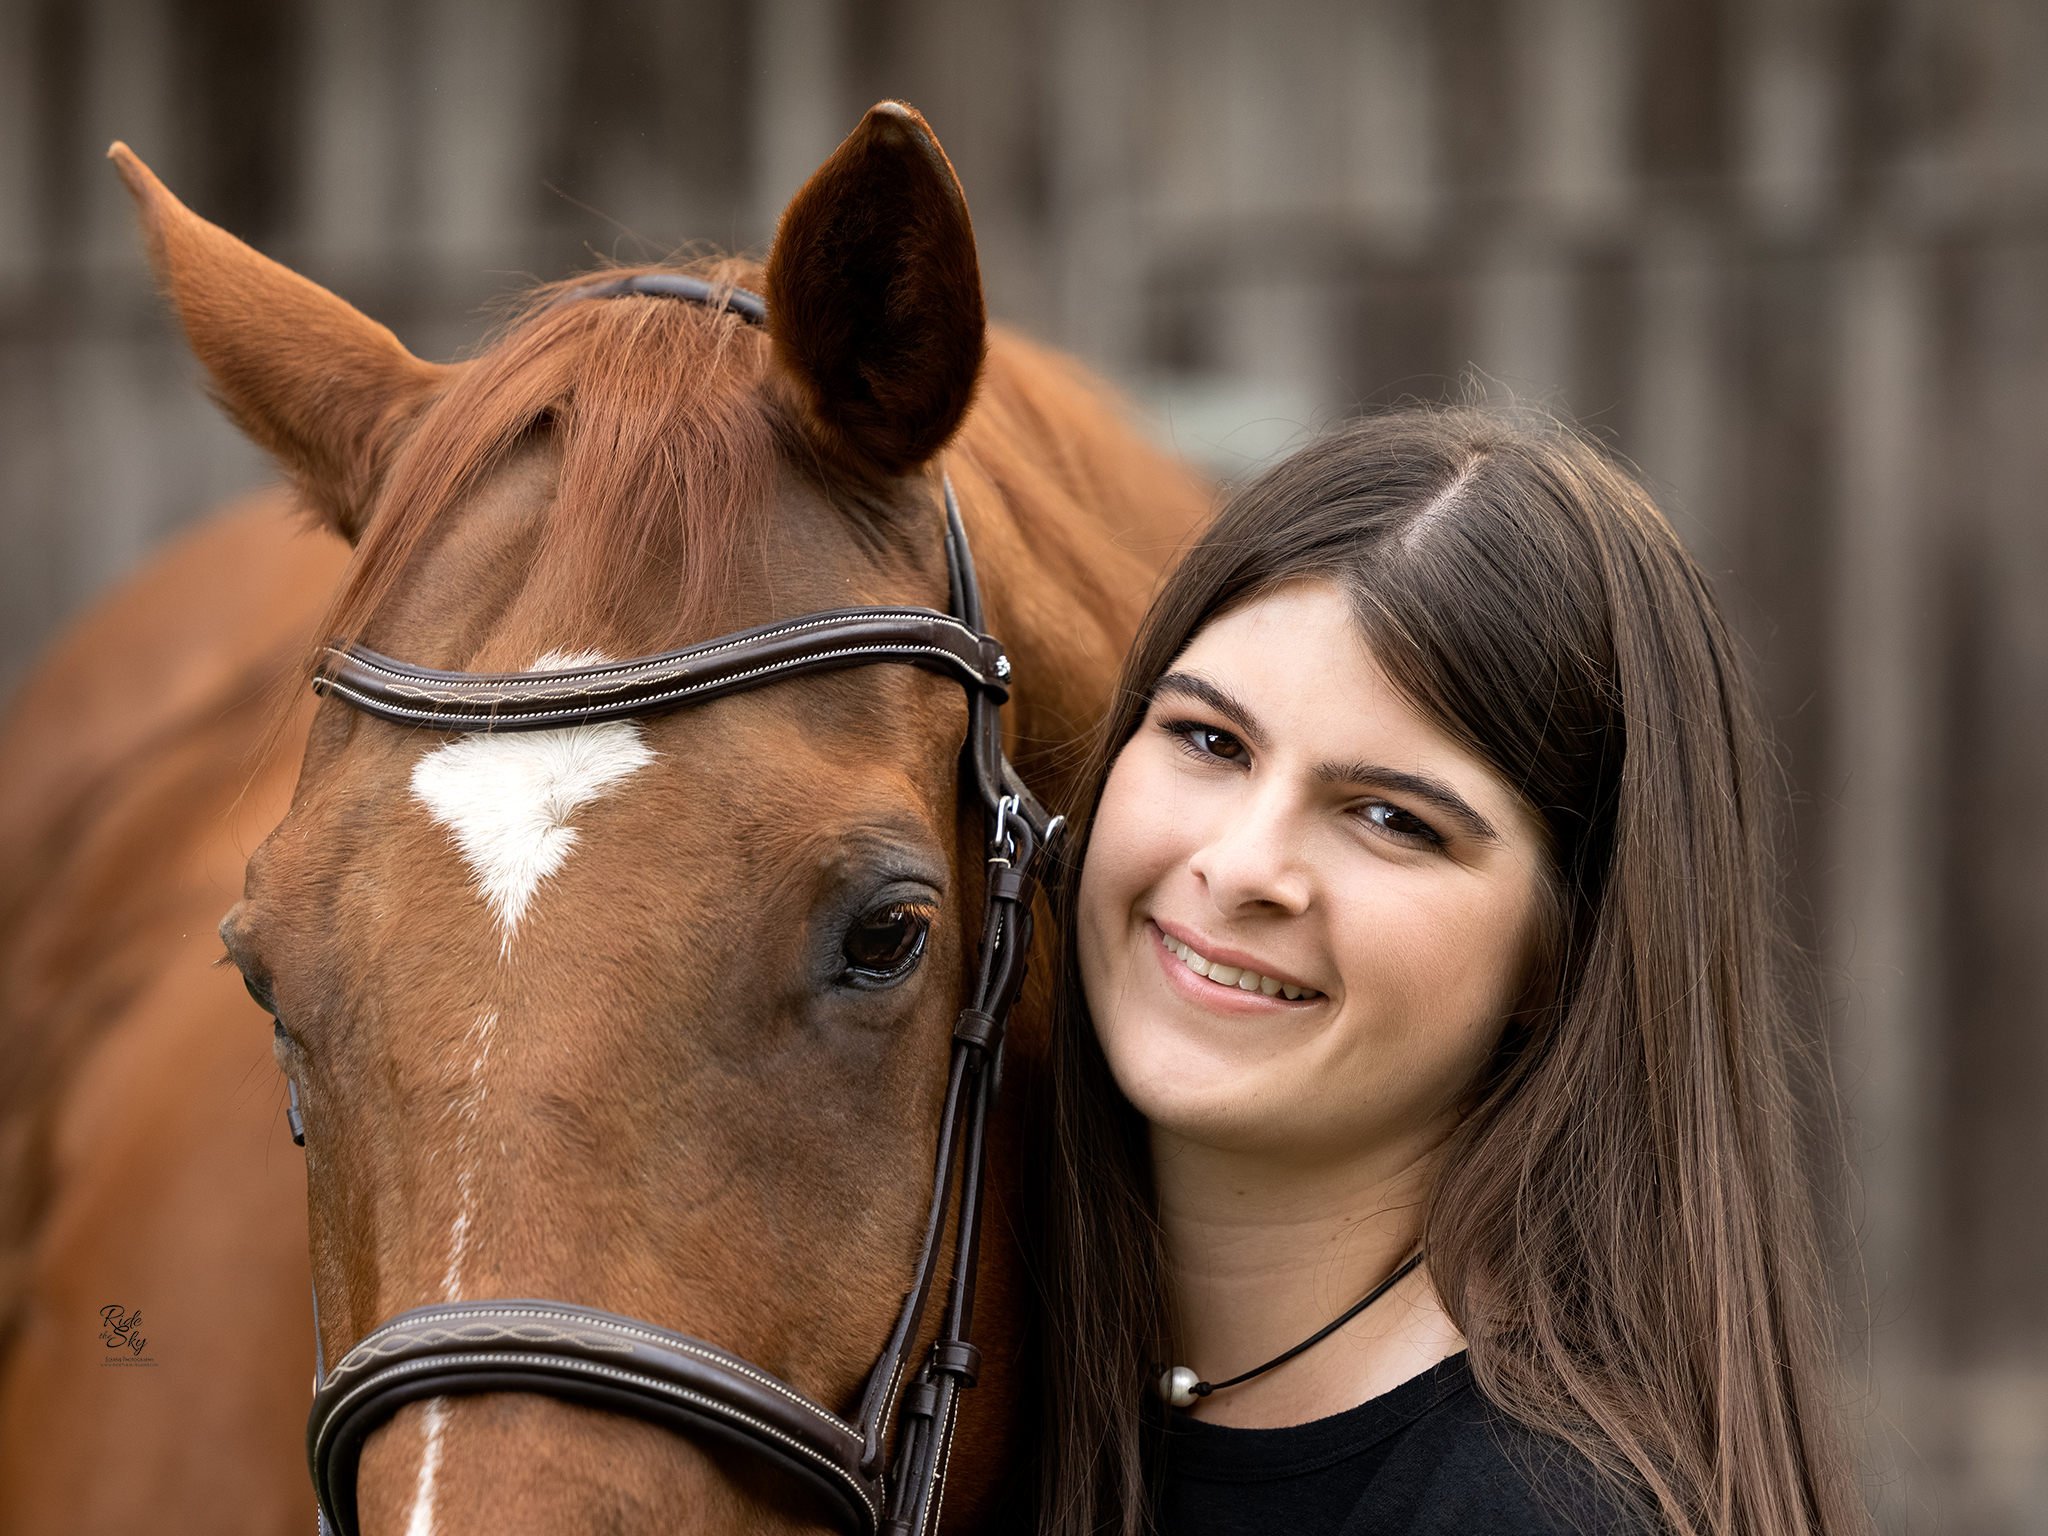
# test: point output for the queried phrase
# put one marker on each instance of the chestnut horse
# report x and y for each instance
(651, 1016)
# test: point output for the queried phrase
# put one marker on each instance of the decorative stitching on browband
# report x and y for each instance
(675, 1342)
(592, 1368)
(523, 691)
(622, 669)
(375, 704)
(382, 1346)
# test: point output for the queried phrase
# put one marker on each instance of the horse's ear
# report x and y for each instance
(874, 296)
(322, 386)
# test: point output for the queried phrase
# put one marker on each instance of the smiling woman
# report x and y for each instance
(1266, 829)
(1425, 1154)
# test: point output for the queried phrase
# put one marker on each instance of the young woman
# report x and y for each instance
(1424, 949)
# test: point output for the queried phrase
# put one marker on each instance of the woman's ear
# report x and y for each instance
(874, 297)
(327, 390)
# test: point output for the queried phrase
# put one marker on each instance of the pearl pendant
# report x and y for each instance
(1177, 1386)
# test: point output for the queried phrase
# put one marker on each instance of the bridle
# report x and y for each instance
(621, 1364)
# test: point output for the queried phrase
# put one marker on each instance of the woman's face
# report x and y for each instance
(1306, 912)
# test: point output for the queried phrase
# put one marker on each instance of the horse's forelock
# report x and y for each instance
(667, 447)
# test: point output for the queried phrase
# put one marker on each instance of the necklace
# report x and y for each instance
(1180, 1386)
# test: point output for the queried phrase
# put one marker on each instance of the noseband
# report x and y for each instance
(620, 1364)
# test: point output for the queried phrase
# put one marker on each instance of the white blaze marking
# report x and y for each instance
(422, 1521)
(465, 1112)
(507, 798)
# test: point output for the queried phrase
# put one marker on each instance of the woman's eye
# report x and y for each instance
(1401, 823)
(887, 943)
(1207, 741)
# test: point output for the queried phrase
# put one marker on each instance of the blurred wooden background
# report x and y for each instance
(1789, 256)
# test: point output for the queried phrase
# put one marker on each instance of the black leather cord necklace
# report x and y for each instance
(1179, 1385)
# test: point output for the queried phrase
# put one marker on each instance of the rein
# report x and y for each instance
(624, 1365)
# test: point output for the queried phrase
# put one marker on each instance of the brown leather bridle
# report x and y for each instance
(621, 1364)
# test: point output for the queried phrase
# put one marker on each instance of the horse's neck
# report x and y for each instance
(1073, 517)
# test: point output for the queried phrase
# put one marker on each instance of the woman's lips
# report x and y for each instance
(1214, 982)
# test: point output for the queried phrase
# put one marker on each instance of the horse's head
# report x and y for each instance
(647, 1015)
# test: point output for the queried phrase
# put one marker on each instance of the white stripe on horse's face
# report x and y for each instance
(507, 798)
(421, 1521)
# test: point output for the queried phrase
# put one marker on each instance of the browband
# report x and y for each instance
(647, 685)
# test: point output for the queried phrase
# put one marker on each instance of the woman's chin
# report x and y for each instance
(1223, 1111)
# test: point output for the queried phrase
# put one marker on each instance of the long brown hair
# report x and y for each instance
(1622, 1225)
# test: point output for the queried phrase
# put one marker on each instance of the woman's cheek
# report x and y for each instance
(1131, 832)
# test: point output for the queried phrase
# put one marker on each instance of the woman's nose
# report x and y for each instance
(1251, 857)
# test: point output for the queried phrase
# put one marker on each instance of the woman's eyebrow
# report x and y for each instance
(1433, 791)
(1190, 686)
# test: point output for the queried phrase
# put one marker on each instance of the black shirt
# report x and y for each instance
(1431, 1457)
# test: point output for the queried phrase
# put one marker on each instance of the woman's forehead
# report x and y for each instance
(1296, 657)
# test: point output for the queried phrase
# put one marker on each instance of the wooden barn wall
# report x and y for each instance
(1789, 256)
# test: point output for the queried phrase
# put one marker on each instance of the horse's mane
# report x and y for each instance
(667, 444)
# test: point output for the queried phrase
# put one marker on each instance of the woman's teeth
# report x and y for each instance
(1233, 976)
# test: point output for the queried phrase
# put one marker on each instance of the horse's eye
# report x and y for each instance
(884, 945)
